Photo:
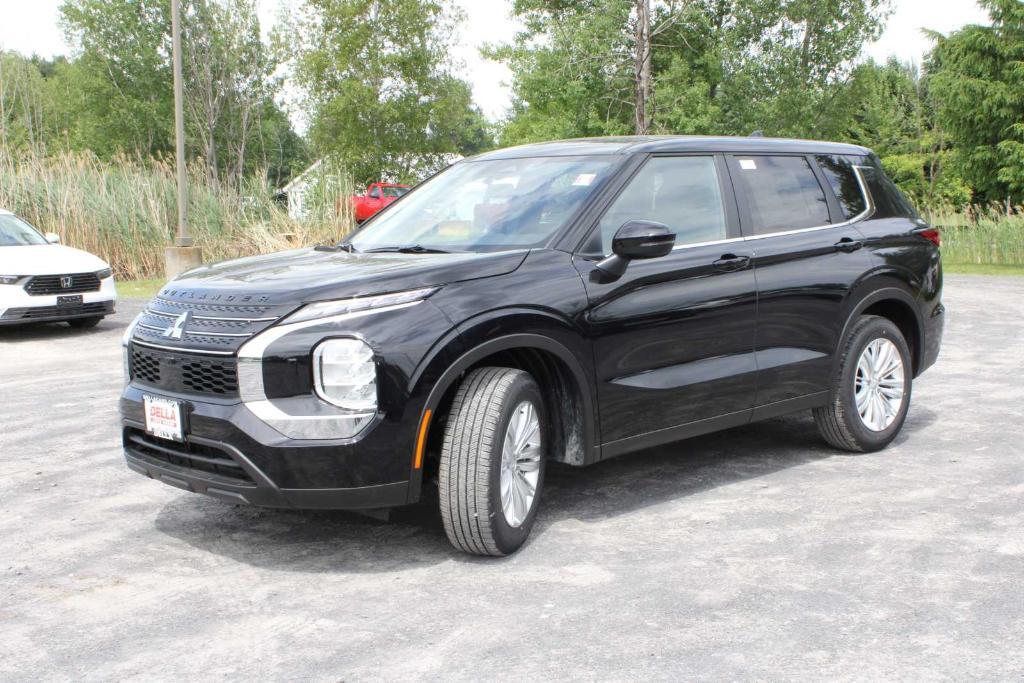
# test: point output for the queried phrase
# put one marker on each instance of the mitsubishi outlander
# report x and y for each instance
(569, 301)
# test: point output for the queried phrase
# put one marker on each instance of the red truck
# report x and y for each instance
(378, 195)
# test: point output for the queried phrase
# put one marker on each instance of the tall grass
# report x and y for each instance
(126, 212)
(980, 234)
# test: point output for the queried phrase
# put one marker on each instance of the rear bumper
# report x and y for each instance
(934, 325)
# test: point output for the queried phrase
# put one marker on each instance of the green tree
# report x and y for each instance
(119, 87)
(381, 84)
(718, 66)
(120, 79)
(977, 76)
(26, 112)
(893, 112)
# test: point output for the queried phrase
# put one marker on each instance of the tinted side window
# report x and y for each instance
(839, 172)
(681, 192)
(783, 193)
(887, 198)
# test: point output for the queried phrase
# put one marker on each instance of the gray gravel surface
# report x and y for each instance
(757, 553)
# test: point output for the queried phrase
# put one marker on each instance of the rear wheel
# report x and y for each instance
(84, 323)
(871, 390)
(492, 461)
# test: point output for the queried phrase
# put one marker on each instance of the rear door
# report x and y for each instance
(673, 338)
(807, 255)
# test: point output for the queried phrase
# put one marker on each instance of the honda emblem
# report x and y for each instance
(66, 281)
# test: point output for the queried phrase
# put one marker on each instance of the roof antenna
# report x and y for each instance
(756, 134)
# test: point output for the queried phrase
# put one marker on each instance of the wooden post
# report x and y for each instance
(643, 65)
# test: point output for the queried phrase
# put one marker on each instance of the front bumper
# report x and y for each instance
(230, 454)
(18, 307)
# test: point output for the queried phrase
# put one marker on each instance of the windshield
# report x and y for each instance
(488, 205)
(15, 232)
(395, 191)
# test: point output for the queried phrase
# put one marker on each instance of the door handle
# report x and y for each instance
(731, 262)
(848, 245)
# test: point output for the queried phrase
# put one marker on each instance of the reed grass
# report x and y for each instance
(125, 211)
(980, 234)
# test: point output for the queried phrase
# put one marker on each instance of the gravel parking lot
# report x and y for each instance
(756, 553)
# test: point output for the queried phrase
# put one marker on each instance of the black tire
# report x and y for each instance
(839, 422)
(470, 468)
(84, 323)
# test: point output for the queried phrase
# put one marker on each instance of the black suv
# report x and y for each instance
(569, 301)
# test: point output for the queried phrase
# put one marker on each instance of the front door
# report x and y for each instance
(673, 337)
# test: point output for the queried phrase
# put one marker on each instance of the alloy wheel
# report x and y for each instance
(520, 463)
(879, 385)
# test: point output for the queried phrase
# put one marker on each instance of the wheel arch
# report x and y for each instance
(556, 369)
(894, 300)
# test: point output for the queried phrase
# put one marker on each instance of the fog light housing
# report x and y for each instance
(345, 374)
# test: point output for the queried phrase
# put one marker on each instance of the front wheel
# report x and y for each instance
(492, 461)
(871, 390)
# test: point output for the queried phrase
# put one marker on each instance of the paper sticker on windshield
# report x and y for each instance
(748, 165)
(584, 179)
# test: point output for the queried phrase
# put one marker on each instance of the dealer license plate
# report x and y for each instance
(71, 300)
(163, 418)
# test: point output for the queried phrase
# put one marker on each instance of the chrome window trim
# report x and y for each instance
(869, 208)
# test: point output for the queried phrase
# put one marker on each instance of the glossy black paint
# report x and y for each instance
(703, 338)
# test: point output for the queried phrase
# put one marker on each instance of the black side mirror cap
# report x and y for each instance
(637, 240)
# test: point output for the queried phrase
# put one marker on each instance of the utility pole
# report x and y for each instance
(642, 66)
(182, 255)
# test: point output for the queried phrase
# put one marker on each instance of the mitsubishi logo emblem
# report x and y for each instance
(66, 281)
(178, 328)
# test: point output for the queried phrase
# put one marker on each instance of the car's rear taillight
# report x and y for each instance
(932, 235)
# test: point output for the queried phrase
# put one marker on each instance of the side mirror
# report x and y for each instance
(52, 238)
(637, 240)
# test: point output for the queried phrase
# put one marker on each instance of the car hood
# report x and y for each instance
(307, 275)
(47, 259)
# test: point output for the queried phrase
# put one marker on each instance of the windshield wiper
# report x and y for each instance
(408, 249)
(343, 246)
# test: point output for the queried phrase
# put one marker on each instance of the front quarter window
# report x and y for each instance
(488, 205)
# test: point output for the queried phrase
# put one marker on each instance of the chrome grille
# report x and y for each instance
(74, 283)
(213, 328)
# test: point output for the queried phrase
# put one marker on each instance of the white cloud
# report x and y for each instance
(904, 37)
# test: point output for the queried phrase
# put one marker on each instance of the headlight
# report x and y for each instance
(325, 309)
(104, 274)
(9, 279)
(345, 374)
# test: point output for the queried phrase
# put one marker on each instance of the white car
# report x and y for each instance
(43, 281)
